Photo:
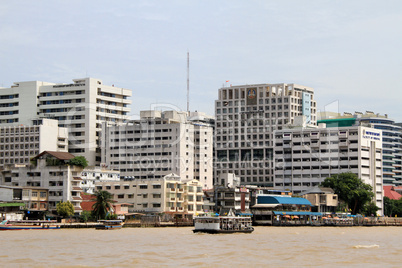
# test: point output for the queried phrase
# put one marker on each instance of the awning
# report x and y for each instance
(12, 204)
(298, 213)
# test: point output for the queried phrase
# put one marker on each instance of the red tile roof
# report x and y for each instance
(58, 155)
(391, 193)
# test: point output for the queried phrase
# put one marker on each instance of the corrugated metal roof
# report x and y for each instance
(267, 199)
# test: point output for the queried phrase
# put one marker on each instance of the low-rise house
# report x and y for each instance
(322, 199)
(35, 199)
(11, 211)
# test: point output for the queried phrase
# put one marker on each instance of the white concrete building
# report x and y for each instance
(304, 157)
(158, 144)
(246, 117)
(19, 143)
(391, 139)
(93, 174)
(50, 172)
(81, 106)
(169, 194)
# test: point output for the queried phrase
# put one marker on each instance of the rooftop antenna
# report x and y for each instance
(188, 83)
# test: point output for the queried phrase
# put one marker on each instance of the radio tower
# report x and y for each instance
(188, 83)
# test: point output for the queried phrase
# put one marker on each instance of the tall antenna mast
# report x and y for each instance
(188, 83)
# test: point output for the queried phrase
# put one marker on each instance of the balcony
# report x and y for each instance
(343, 144)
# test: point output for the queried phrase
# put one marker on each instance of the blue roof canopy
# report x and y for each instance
(284, 200)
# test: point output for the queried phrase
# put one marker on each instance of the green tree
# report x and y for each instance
(392, 207)
(350, 189)
(103, 204)
(80, 161)
(65, 209)
(85, 216)
(370, 209)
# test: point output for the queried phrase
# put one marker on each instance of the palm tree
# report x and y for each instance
(103, 204)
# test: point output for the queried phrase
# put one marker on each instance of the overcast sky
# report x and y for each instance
(349, 51)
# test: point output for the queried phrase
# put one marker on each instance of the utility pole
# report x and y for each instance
(188, 83)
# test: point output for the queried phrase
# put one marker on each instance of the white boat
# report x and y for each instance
(223, 224)
(110, 224)
(28, 225)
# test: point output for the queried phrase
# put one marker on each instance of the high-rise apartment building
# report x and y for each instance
(19, 143)
(246, 118)
(81, 106)
(160, 143)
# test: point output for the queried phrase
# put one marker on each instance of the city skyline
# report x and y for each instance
(347, 51)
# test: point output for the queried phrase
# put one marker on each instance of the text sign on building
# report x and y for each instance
(252, 96)
(306, 106)
(371, 135)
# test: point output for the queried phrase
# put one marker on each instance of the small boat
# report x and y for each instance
(110, 225)
(223, 224)
(28, 225)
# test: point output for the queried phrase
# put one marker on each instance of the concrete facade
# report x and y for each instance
(303, 158)
(158, 144)
(246, 118)
(169, 194)
(391, 139)
(81, 106)
(19, 143)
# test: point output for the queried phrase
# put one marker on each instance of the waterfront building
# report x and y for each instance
(50, 172)
(19, 143)
(391, 139)
(304, 157)
(246, 118)
(12, 211)
(322, 199)
(160, 143)
(271, 209)
(170, 195)
(36, 199)
(80, 106)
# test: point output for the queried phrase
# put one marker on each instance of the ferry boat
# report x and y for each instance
(223, 224)
(28, 225)
(110, 225)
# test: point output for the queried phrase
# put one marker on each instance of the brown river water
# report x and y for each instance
(168, 247)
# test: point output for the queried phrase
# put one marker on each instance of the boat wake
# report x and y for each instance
(366, 246)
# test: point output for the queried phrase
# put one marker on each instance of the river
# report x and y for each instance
(167, 247)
